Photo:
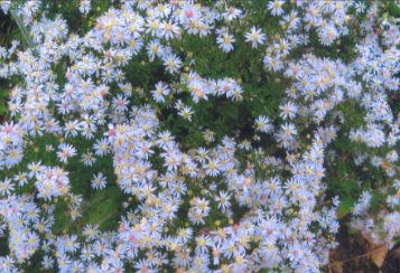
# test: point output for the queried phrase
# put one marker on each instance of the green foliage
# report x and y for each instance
(392, 8)
(345, 206)
(3, 101)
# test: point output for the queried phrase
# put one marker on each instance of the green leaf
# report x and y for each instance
(3, 108)
(345, 206)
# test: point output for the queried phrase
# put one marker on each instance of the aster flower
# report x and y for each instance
(72, 128)
(186, 112)
(263, 124)
(88, 159)
(223, 200)
(255, 37)
(47, 262)
(6, 187)
(225, 42)
(288, 110)
(160, 92)
(172, 63)
(84, 6)
(212, 167)
(169, 30)
(165, 139)
(203, 242)
(120, 103)
(155, 49)
(5, 5)
(99, 181)
(153, 27)
(34, 168)
(275, 7)
(21, 178)
(288, 130)
(65, 151)
(328, 34)
(101, 147)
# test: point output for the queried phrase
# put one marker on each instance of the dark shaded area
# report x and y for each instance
(8, 32)
(4, 249)
(392, 261)
(6, 27)
(348, 256)
(351, 256)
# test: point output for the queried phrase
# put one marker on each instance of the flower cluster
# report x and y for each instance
(50, 182)
(11, 145)
(255, 198)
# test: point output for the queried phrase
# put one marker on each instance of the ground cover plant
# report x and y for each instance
(196, 136)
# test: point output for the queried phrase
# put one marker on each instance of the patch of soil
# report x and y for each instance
(392, 261)
(353, 255)
(349, 256)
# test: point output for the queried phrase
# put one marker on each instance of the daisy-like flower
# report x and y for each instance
(328, 34)
(34, 168)
(89, 126)
(6, 187)
(84, 6)
(202, 244)
(65, 151)
(245, 145)
(87, 254)
(160, 92)
(184, 234)
(223, 200)
(225, 42)
(186, 112)
(154, 49)
(360, 7)
(169, 30)
(288, 110)
(209, 136)
(231, 13)
(90, 231)
(153, 27)
(47, 262)
(172, 159)
(179, 105)
(288, 130)
(143, 149)
(172, 63)
(165, 139)
(120, 103)
(29, 9)
(64, 107)
(101, 147)
(283, 47)
(263, 124)
(99, 181)
(255, 37)
(72, 128)
(21, 178)
(88, 159)
(212, 167)
(276, 7)
(5, 5)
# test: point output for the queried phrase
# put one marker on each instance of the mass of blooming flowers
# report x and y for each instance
(273, 210)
